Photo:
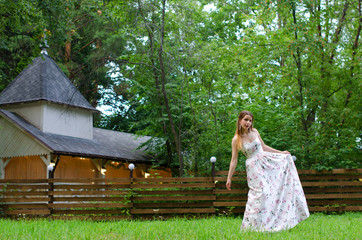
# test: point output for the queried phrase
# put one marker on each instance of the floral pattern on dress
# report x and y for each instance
(276, 199)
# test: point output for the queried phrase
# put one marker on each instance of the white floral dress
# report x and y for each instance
(276, 200)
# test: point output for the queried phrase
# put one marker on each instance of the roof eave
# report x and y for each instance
(49, 101)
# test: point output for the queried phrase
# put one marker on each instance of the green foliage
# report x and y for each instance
(295, 64)
(16, 43)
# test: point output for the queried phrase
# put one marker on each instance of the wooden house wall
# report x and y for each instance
(160, 172)
(33, 167)
(75, 167)
(122, 171)
(29, 167)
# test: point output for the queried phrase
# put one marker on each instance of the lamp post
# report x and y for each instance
(131, 167)
(50, 171)
(51, 185)
(213, 160)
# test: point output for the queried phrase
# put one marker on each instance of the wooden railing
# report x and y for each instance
(337, 190)
(326, 191)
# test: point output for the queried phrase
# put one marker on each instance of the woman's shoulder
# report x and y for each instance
(236, 143)
(254, 130)
(236, 140)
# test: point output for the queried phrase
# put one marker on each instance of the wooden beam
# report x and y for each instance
(6, 162)
(3, 163)
(97, 164)
(46, 161)
(51, 174)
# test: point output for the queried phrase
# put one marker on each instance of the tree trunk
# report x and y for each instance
(164, 93)
(298, 62)
(68, 49)
(156, 77)
(354, 51)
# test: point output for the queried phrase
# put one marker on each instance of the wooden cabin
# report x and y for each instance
(45, 120)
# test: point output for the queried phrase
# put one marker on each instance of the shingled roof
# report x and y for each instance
(43, 80)
(105, 143)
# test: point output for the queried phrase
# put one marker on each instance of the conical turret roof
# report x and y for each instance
(43, 80)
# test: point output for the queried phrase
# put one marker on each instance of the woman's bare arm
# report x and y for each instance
(233, 162)
(266, 147)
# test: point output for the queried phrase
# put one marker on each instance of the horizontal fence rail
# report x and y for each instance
(337, 190)
(124, 198)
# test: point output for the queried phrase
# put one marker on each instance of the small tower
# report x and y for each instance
(43, 95)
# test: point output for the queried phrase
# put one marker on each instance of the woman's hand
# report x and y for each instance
(286, 152)
(228, 184)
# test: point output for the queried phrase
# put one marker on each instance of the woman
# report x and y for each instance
(276, 199)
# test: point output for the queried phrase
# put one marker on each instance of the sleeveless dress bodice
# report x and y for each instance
(250, 149)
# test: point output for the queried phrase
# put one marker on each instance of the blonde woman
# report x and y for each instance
(276, 200)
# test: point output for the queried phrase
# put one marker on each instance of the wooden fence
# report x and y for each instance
(124, 198)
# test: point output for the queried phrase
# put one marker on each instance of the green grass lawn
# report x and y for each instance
(317, 226)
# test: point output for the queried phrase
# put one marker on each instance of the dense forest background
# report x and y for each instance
(181, 71)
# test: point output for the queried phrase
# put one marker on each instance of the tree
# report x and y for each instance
(295, 52)
(181, 73)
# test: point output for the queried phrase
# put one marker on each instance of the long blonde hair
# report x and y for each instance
(238, 132)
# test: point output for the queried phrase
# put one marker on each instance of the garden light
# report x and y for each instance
(131, 167)
(213, 160)
(50, 168)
